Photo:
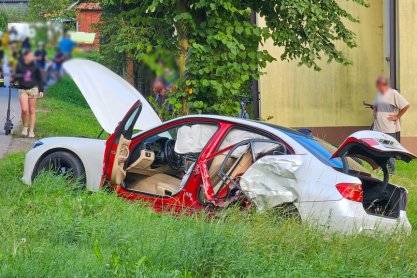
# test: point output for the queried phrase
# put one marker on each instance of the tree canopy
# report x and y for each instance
(49, 9)
(214, 46)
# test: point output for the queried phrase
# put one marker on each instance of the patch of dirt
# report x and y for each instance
(20, 144)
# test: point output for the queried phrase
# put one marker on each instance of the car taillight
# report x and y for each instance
(351, 191)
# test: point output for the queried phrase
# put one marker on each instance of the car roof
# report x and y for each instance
(253, 123)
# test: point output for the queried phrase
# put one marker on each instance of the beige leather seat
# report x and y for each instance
(215, 167)
(233, 167)
(158, 184)
(245, 161)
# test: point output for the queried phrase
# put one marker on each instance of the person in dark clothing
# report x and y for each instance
(162, 87)
(58, 61)
(28, 77)
(40, 56)
(1, 60)
(26, 44)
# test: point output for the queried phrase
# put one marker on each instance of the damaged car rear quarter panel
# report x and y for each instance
(273, 180)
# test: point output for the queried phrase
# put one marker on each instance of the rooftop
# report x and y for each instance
(89, 6)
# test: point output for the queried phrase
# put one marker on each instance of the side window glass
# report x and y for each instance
(131, 120)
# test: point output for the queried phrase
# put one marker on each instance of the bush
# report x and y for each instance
(9, 15)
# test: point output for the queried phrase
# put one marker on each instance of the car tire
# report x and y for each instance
(62, 163)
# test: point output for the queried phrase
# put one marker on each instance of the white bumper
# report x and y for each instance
(350, 217)
(30, 161)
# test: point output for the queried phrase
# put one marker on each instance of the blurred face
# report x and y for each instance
(29, 58)
(382, 86)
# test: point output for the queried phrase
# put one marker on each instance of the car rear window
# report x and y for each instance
(319, 148)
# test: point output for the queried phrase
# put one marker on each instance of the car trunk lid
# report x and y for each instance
(379, 197)
(374, 147)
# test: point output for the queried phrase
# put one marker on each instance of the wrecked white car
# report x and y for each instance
(199, 161)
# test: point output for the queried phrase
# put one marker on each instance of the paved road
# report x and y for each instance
(15, 112)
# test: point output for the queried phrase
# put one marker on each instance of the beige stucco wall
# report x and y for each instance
(407, 66)
(300, 97)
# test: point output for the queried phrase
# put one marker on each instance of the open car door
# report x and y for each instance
(374, 147)
(117, 147)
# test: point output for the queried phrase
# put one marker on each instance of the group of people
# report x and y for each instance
(28, 70)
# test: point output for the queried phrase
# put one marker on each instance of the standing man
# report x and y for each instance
(67, 45)
(389, 107)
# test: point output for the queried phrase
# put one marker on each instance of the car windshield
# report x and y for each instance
(322, 150)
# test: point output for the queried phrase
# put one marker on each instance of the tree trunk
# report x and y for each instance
(183, 46)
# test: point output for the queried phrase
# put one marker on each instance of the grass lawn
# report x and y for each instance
(51, 229)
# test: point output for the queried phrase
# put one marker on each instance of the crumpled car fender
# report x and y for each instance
(272, 181)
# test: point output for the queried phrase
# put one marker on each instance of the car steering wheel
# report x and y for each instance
(173, 159)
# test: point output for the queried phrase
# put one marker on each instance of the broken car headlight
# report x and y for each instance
(37, 144)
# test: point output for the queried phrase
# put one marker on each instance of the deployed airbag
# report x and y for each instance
(237, 135)
(193, 139)
(271, 181)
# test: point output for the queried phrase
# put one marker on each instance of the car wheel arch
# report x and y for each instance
(288, 210)
(55, 150)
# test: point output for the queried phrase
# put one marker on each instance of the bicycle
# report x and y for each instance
(369, 106)
(243, 102)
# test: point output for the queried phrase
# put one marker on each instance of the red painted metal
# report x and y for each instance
(111, 147)
(188, 198)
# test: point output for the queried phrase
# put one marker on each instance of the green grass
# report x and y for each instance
(52, 229)
(407, 176)
(64, 112)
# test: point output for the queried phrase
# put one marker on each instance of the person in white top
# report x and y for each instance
(389, 107)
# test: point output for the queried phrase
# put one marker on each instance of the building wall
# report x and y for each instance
(407, 68)
(86, 20)
(300, 97)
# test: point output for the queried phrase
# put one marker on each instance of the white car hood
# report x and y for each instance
(109, 96)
